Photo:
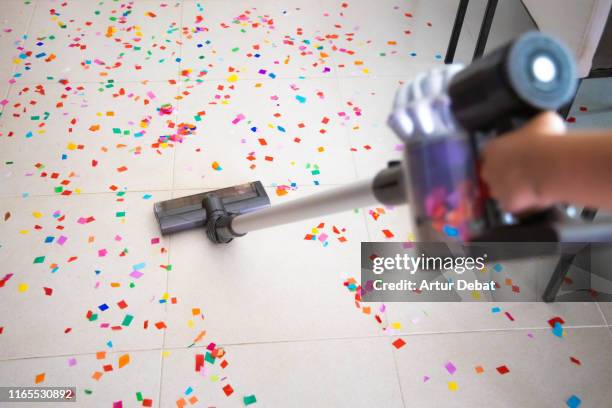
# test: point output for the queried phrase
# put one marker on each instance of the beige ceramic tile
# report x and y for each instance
(540, 369)
(139, 373)
(63, 266)
(330, 373)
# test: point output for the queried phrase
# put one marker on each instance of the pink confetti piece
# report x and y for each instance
(154, 241)
(61, 240)
(151, 95)
(102, 252)
(136, 274)
(238, 118)
(72, 362)
(450, 367)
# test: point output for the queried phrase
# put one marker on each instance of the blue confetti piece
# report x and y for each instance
(300, 99)
(495, 309)
(280, 128)
(49, 239)
(140, 266)
(103, 307)
(29, 134)
(498, 268)
(451, 231)
(557, 330)
(109, 344)
(573, 402)
(188, 391)
(147, 196)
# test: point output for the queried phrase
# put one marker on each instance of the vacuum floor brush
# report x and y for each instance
(443, 118)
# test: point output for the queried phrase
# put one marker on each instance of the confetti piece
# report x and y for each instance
(228, 390)
(557, 330)
(22, 287)
(249, 399)
(124, 360)
(479, 369)
(450, 367)
(575, 361)
(452, 385)
(399, 343)
(39, 259)
(300, 99)
(39, 378)
(502, 370)
(573, 402)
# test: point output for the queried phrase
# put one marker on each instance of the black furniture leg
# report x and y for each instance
(454, 39)
(563, 266)
(485, 28)
(565, 110)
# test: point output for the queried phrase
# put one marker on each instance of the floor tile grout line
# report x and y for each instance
(316, 340)
(603, 315)
(161, 190)
(174, 151)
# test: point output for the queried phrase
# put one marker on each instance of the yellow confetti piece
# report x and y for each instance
(23, 287)
(24, 232)
(396, 325)
(71, 146)
(232, 78)
(475, 294)
(190, 323)
(36, 214)
(321, 149)
(452, 385)
(165, 353)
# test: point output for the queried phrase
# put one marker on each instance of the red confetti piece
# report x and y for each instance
(502, 370)
(48, 291)
(399, 343)
(388, 233)
(575, 361)
(228, 390)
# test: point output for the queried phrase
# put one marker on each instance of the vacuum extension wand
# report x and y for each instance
(387, 187)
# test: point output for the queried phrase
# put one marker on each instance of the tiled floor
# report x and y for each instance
(88, 143)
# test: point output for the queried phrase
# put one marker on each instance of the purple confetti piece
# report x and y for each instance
(450, 367)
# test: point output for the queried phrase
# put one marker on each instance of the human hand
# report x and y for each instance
(515, 169)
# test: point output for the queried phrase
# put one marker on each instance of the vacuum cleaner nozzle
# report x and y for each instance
(189, 212)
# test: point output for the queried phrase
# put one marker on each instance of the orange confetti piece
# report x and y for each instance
(39, 378)
(124, 360)
(94, 128)
(121, 169)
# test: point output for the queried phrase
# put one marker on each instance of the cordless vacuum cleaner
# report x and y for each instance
(443, 118)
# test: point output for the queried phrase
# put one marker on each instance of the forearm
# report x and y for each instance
(575, 168)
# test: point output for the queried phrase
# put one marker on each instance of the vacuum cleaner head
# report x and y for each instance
(188, 212)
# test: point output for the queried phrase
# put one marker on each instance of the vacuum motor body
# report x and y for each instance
(493, 95)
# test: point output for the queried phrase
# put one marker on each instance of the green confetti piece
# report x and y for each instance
(138, 396)
(120, 214)
(132, 285)
(235, 49)
(39, 259)
(58, 189)
(93, 317)
(116, 131)
(249, 399)
(127, 320)
(209, 357)
(88, 392)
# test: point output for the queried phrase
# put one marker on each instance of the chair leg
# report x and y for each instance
(561, 270)
(454, 39)
(485, 28)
